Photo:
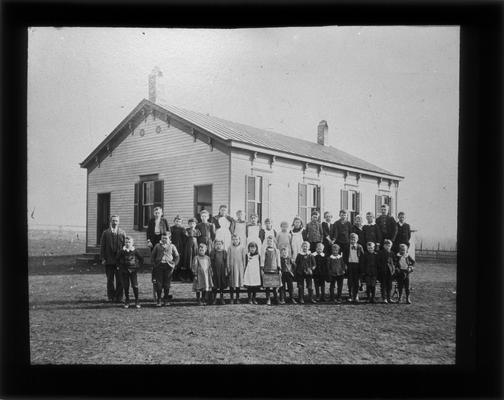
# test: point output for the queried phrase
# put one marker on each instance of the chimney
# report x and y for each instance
(322, 133)
(154, 84)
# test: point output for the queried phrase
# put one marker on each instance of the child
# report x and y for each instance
(191, 247)
(352, 255)
(326, 230)
(358, 228)
(287, 267)
(342, 229)
(252, 274)
(305, 263)
(218, 260)
(404, 266)
(370, 271)
(267, 230)
(129, 261)
(320, 272)
(202, 271)
(297, 233)
(224, 226)
(386, 224)
(313, 231)
(386, 269)
(371, 231)
(271, 269)
(165, 258)
(240, 227)
(178, 238)
(207, 231)
(253, 229)
(284, 237)
(336, 272)
(403, 232)
(236, 266)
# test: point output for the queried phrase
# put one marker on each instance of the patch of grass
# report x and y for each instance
(70, 323)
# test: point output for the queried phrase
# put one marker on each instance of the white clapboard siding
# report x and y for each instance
(179, 161)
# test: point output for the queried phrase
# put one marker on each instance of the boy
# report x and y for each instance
(178, 237)
(305, 263)
(386, 269)
(326, 230)
(129, 262)
(313, 231)
(370, 271)
(336, 272)
(267, 230)
(404, 266)
(165, 258)
(111, 242)
(341, 230)
(352, 256)
(386, 224)
(320, 272)
(207, 231)
(287, 266)
(371, 231)
(403, 232)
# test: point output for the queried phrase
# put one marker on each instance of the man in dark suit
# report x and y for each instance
(387, 225)
(403, 232)
(111, 242)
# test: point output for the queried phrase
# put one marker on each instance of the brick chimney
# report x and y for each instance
(322, 133)
(154, 84)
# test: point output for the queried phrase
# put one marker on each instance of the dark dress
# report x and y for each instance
(191, 246)
(403, 236)
(360, 234)
(207, 236)
(163, 228)
(370, 268)
(219, 269)
(372, 234)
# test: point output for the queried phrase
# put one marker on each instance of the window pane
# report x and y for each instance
(258, 188)
(251, 189)
(250, 209)
(204, 194)
(148, 192)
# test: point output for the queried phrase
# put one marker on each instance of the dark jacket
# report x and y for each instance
(360, 234)
(386, 262)
(262, 234)
(369, 264)
(346, 252)
(305, 263)
(321, 266)
(313, 232)
(111, 244)
(387, 226)
(130, 259)
(372, 234)
(326, 230)
(178, 237)
(403, 234)
(335, 266)
(341, 232)
(163, 228)
(158, 252)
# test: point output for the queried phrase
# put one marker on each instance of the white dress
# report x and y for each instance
(297, 241)
(223, 233)
(253, 235)
(241, 231)
(252, 275)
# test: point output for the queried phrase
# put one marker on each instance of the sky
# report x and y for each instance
(390, 95)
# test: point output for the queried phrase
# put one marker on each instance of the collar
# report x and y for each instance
(403, 255)
(374, 223)
(305, 254)
(335, 257)
(354, 245)
(320, 254)
(131, 249)
(400, 223)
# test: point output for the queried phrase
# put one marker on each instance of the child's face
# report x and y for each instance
(384, 210)
(223, 211)
(304, 247)
(358, 221)
(236, 241)
(192, 224)
(353, 239)
(252, 249)
(342, 215)
(335, 251)
(253, 219)
(369, 218)
(387, 246)
(320, 248)
(268, 225)
(165, 239)
(239, 215)
(128, 243)
(402, 217)
(370, 247)
(283, 252)
(402, 249)
(201, 250)
(178, 221)
(219, 246)
(328, 217)
(204, 217)
(284, 227)
(297, 223)
(157, 213)
(314, 218)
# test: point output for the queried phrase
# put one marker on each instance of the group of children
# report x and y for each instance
(225, 253)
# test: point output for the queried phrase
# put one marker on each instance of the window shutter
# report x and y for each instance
(318, 203)
(136, 201)
(344, 199)
(158, 193)
(322, 201)
(391, 206)
(140, 206)
(358, 202)
(265, 198)
(245, 210)
(302, 201)
(378, 200)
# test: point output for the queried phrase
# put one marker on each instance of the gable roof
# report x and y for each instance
(233, 134)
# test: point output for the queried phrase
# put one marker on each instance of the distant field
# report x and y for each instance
(55, 242)
(70, 323)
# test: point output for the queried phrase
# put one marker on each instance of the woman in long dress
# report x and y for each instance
(253, 229)
(224, 225)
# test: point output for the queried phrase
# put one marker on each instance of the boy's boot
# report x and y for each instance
(250, 297)
(237, 299)
(331, 294)
(301, 295)
(322, 293)
(282, 295)
(221, 298)
(268, 299)
(126, 302)
(317, 291)
(231, 296)
(275, 296)
(408, 300)
(310, 296)
(135, 292)
(254, 294)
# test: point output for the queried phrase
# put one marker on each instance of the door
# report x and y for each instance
(103, 215)
(202, 199)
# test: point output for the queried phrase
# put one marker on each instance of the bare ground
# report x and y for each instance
(70, 323)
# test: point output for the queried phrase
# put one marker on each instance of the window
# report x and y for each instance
(202, 199)
(308, 200)
(381, 199)
(257, 199)
(351, 201)
(148, 195)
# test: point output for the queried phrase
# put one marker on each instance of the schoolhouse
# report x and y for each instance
(186, 161)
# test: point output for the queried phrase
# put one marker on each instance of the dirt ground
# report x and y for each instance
(70, 323)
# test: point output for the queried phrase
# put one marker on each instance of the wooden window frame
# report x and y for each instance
(305, 210)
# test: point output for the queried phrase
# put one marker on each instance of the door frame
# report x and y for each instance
(195, 203)
(101, 197)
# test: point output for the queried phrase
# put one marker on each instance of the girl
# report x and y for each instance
(207, 231)
(191, 246)
(202, 272)
(320, 272)
(336, 272)
(252, 274)
(240, 227)
(253, 228)
(297, 236)
(218, 259)
(305, 263)
(236, 266)
(224, 226)
(284, 238)
(358, 229)
(270, 268)
(178, 238)
(267, 231)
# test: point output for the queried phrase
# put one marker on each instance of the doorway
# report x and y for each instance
(202, 200)
(103, 214)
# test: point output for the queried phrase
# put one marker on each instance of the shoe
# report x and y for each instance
(385, 301)
(200, 303)
(222, 301)
(408, 301)
(372, 300)
(165, 303)
(158, 304)
(339, 301)
(254, 301)
(349, 299)
(250, 301)
(321, 300)
(268, 302)
(282, 301)
(301, 300)
(126, 305)
(293, 300)
(137, 305)
(313, 301)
